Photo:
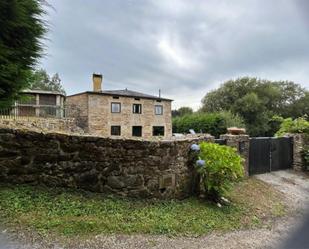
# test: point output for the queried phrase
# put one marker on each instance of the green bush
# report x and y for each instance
(212, 123)
(232, 120)
(299, 125)
(273, 125)
(219, 166)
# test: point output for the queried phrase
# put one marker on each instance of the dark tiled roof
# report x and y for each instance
(127, 93)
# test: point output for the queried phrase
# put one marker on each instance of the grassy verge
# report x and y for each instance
(67, 212)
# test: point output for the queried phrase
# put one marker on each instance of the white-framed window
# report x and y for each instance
(116, 107)
(159, 109)
(137, 108)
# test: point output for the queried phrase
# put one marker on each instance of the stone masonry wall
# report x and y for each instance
(66, 125)
(77, 107)
(135, 168)
(93, 113)
(299, 141)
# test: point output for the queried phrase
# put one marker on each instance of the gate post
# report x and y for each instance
(299, 141)
(241, 143)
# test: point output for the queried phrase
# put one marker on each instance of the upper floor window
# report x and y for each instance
(158, 109)
(116, 107)
(137, 108)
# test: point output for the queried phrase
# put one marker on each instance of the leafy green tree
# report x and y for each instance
(212, 123)
(22, 30)
(182, 111)
(40, 80)
(298, 125)
(257, 101)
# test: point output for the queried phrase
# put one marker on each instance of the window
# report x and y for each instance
(158, 130)
(47, 99)
(115, 130)
(137, 98)
(115, 97)
(137, 108)
(137, 131)
(158, 109)
(116, 107)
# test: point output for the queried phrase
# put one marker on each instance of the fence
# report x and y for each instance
(28, 111)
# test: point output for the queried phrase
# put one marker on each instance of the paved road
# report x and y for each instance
(299, 239)
(6, 242)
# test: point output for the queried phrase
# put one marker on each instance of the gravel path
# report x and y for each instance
(294, 185)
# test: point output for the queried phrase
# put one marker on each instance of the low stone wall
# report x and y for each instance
(299, 142)
(67, 125)
(136, 168)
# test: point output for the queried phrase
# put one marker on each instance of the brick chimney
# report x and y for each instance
(97, 82)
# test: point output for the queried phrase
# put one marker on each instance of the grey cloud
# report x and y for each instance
(183, 47)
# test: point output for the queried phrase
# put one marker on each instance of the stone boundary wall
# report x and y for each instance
(66, 125)
(127, 167)
(299, 142)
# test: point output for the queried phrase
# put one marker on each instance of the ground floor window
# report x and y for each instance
(137, 131)
(115, 130)
(158, 130)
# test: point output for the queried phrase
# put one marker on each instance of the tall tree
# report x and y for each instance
(182, 111)
(40, 80)
(22, 29)
(257, 101)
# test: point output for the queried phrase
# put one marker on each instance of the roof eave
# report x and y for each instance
(119, 95)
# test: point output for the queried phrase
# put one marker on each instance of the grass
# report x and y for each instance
(71, 213)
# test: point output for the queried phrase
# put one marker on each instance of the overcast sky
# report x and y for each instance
(183, 47)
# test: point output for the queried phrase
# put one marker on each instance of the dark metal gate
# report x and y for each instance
(269, 154)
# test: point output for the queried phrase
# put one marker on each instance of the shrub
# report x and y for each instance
(212, 123)
(232, 120)
(218, 166)
(299, 125)
(273, 125)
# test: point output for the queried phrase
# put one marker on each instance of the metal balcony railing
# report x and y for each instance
(27, 111)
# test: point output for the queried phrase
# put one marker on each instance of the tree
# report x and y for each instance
(257, 101)
(182, 111)
(22, 30)
(40, 80)
(212, 123)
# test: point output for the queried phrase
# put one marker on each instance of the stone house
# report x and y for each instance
(39, 103)
(123, 113)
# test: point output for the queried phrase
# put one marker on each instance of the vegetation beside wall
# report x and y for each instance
(59, 211)
(212, 123)
(22, 28)
(219, 167)
(298, 125)
(257, 101)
